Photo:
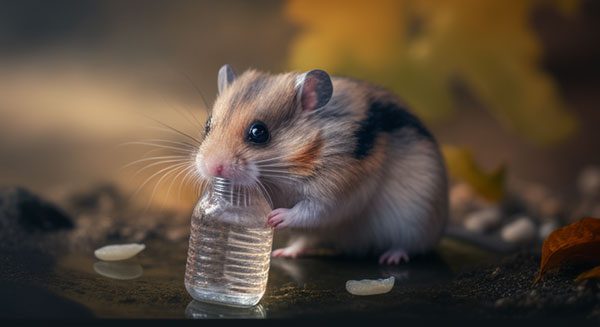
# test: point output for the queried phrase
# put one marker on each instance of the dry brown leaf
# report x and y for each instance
(576, 242)
(589, 274)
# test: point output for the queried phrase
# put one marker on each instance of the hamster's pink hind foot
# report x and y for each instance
(294, 250)
(393, 257)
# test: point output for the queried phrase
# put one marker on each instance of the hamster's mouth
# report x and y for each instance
(238, 173)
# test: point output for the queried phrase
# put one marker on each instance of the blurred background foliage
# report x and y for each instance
(425, 50)
(509, 87)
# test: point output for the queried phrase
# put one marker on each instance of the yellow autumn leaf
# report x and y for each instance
(421, 48)
(462, 166)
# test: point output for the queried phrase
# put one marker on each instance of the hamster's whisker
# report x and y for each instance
(276, 163)
(277, 167)
(168, 173)
(147, 142)
(263, 190)
(162, 129)
(278, 172)
(275, 173)
(204, 102)
(156, 174)
(162, 146)
(279, 177)
(174, 179)
(161, 162)
(182, 143)
(281, 171)
(187, 114)
(151, 159)
(272, 159)
(190, 170)
(173, 129)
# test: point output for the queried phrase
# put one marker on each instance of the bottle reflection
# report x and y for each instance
(201, 310)
(119, 270)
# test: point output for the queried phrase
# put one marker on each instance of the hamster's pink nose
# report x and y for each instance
(219, 170)
(216, 169)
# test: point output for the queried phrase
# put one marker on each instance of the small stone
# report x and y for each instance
(101, 198)
(501, 302)
(460, 195)
(546, 228)
(589, 181)
(483, 220)
(495, 272)
(29, 222)
(522, 230)
(139, 236)
(19, 206)
(177, 233)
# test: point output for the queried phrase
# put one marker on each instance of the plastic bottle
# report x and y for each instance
(230, 246)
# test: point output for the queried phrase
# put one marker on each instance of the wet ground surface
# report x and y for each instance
(48, 270)
(458, 281)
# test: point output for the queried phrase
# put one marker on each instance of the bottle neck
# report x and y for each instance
(236, 195)
(223, 187)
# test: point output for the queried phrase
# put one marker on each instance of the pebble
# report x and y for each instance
(483, 220)
(501, 302)
(521, 230)
(461, 194)
(547, 228)
(177, 233)
(496, 272)
(589, 181)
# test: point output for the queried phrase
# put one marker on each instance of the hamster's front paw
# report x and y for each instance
(280, 218)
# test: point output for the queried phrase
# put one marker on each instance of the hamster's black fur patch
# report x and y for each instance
(385, 117)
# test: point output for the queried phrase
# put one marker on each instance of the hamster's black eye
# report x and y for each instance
(207, 125)
(258, 133)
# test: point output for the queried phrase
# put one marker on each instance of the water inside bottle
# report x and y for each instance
(228, 263)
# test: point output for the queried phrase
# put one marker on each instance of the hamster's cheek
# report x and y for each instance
(248, 175)
(200, 166)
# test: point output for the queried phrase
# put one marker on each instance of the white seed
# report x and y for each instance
(118, 252)
(521, 230)
(370, 286)
(483, 220)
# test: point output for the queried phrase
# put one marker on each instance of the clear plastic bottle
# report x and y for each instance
(230, 246)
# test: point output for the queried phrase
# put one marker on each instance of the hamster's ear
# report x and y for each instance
(226, 77)
(315, 89)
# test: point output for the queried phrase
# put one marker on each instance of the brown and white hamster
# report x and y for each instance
(346, 164)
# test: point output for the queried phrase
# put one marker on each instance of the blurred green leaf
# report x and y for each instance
(462, 166)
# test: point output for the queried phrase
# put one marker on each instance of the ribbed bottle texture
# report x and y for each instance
(230, 246)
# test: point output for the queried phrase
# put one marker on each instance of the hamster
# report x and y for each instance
(346, 164)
